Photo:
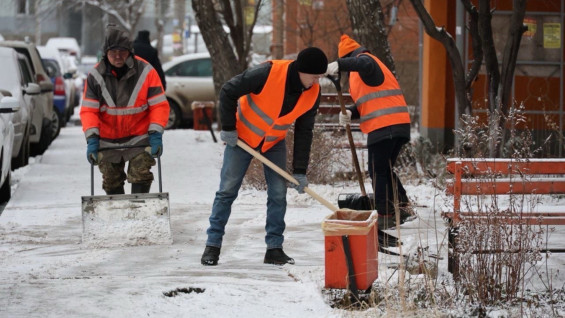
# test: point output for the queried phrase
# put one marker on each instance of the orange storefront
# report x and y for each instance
(539, 79)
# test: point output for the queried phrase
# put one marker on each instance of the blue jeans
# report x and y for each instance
(236, 162)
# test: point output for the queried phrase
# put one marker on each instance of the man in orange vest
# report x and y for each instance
(381, 108)
(123, 105)
(271, 96)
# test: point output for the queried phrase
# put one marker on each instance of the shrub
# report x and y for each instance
(326, 159)
(496, 254)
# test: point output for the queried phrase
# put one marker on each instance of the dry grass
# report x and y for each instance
(490, 279)
(326, 158)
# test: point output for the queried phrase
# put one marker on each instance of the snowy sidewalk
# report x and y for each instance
(45, 271)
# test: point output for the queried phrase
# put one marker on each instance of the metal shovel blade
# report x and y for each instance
(126, 220)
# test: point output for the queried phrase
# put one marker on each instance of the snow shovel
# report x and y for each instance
(383, 236)
(352, 201)
(126, 219)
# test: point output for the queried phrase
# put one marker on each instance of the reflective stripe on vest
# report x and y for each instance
(129, 109)
(379, 106)
(379, 94)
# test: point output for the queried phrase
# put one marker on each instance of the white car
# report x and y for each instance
(86, 64)
(44, 118)
(18, 83)
(66, 45)
(189, 79)
(8, 105)
(67, 70)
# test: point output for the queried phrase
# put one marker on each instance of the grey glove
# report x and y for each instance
(333, 69)
(345, 120)
(229, 137)
(302, 182)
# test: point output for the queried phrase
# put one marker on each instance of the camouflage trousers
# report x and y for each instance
(139, 171)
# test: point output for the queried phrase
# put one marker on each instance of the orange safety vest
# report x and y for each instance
(147, 107)
(379, 106)
(258, 114)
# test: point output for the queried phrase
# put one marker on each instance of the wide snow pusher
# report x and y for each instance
(126, 219)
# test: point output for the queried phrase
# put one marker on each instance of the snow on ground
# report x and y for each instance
(45, 270)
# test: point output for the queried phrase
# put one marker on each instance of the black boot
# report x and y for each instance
(140, 188)
(118, 190)
(277, 256)
(210, 256)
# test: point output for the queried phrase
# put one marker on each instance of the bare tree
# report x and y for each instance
(126, 13)
(480, 30)
(229, 51)
(161, 7)
(369, 27)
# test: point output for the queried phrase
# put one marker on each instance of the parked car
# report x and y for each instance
(66, 45)
(8, 105)
(18, 83)
(44, 118)
(61, 74)
(189, 78)
(86, 64)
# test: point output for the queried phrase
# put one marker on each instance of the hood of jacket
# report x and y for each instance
(116, 38)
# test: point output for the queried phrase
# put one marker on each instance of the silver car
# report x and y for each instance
(44, 118)
(189, 79)
(8, 105)
(18, 84)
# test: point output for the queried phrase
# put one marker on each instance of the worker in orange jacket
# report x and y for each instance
(258, 106)
(123, 105)
(384, 117)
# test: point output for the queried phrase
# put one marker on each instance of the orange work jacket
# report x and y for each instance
(379, 106)
(140, 103)
(258, 114)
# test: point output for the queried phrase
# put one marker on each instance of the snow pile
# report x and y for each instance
(126, 220)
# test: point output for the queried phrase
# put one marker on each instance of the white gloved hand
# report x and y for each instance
(333, 69)
(345, 120)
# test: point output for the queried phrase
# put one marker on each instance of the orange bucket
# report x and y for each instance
(360, 227)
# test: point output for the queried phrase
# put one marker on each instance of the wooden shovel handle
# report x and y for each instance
(349, 136)
(285, 174)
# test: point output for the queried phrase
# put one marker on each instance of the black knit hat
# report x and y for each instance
(312, 60)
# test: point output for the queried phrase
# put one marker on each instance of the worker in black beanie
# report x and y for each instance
(257, 107)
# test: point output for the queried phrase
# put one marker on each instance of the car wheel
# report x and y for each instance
(6, 190)
(56, 122)
(175, 116)
(45, 138)
(23, 156)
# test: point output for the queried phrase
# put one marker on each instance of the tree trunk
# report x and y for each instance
(473, 26)
(509, 57)
(491, 61)
(229, 58)
(369, 27)
(217, 42)
(510, 54)
(457, 70)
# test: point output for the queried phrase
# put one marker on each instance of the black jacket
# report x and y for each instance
(142, 48)
(252, 80)
(372, 75)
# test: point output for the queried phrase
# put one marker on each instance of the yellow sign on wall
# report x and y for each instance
(552, 35)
